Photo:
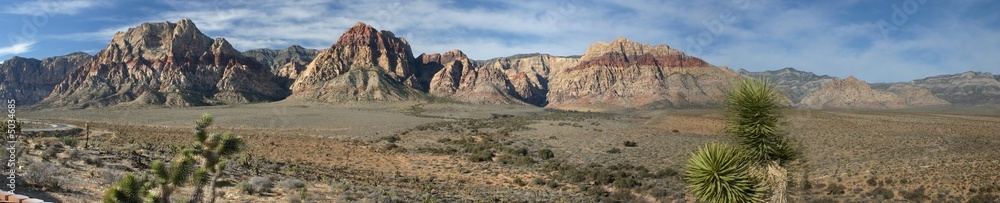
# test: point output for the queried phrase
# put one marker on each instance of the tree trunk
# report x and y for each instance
(196, 198)
(165, 194)
(211, 186)
(778, 179)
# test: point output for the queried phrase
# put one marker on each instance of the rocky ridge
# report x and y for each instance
(853, 93)
(795, 83)
(626, 74)
(28, 80)
(170, 64)
(967, 88)
(364, 64)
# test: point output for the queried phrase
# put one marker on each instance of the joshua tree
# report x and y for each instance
(722, 173)
(212, 149)
(169, 179)
(130, 189)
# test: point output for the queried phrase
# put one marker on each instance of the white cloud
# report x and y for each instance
(16, 48)
(825, 38)
(53, 7)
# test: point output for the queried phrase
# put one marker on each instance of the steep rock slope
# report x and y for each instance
(363, 65)
(626, 74)
(171, 64)
(30, 80)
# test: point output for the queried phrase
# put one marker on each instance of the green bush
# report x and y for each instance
(721, 173)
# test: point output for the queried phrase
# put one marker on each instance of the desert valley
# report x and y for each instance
(368, 120)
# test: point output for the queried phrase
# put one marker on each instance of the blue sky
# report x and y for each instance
(877, 41)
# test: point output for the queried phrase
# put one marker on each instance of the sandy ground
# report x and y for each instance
(945, 153)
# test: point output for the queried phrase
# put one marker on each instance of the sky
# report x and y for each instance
(876, 41)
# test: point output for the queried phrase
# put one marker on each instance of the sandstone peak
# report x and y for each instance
(623, 53)
(151, 41)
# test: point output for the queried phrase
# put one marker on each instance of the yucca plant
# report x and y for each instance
(212, 149)
(753, 105)
(722, 173)
(169, 179)
(130, 189)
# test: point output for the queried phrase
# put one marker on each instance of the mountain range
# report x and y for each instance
(175, 64)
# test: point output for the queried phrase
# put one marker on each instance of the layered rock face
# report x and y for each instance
(521, 79)
(968, 88)
(626, 74)
(854, 93)
(171, 64)
(363, 65)
(794, 83)
(31, 80)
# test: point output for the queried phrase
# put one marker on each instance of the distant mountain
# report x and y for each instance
(364, 65)
(276, 58)
(796, 84)
(170, 64)
(854, 93)
(626, 74)
(174, 64)
(968, 88)
(284, 63)
(30, 80)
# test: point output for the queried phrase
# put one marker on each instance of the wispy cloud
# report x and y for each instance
(16, 48)
(837, 38)
(53, 7)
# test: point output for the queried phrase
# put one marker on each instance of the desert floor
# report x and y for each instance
(434, 152)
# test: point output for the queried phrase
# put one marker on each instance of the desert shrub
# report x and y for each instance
(885, 193)
(391, 138)
(44, 176)
(68, 141)
(48, 153)
(721, 173)
(72, 154)
(917, 195)
(538, 181)
(291, 183)
(109, 176)
(835, 189)
(630, 144)
(261, 184)
(666, 172)
(546, 154)
(823, 200)
(614, 150)
(984, 198)
(245, 188)
(872, 182)
(517, 181)
(444, 140)
(481, 156)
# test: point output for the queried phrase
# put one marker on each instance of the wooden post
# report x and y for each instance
(86, 144)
